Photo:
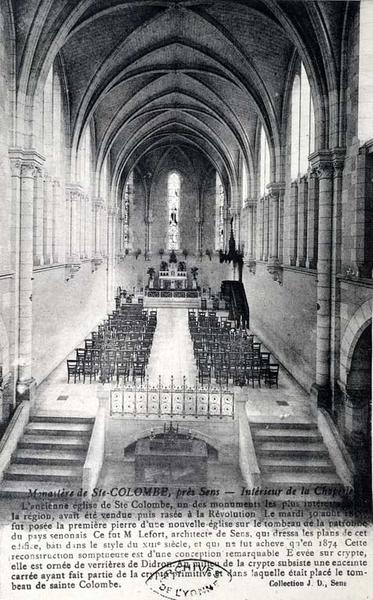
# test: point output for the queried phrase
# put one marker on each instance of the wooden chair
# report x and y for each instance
(80, 355)
(123, 371)
(89, 369)
(271, 377)
(204, 374)
(138, 371)
(73, 370)
(239, 375)
(222, 376)
(88, 344)
(264, 363)
(253, 373)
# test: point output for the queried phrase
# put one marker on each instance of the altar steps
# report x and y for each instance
(187, 303)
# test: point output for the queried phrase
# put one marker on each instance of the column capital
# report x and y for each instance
(97, 202)
(322, 163)
(251, 203)
(15, 166)
(112, 211)
(234, 211)
(276, 188)
(30, 159)
(338, 160)
(72, 195)
(28, 168)
(75, 188)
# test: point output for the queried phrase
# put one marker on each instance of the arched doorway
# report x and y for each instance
(358, 416)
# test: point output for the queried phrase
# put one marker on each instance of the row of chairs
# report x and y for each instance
(119, 349)
(227, 354)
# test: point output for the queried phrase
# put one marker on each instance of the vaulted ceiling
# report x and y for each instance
(158, 73)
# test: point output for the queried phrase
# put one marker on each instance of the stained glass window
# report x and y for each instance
(264, 163)
(173, 196)
(126, 212)
(219, 214)
(245, 189)
(302, 124)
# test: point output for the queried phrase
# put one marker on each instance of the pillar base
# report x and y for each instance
(321, 396)
(25, 391)
(275, 269)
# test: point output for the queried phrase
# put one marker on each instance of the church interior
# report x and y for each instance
(186, 239)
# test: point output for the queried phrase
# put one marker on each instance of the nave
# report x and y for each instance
(171, 356)
(201, 146)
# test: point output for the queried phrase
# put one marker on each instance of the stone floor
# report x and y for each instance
(172, 354)
(172, 350)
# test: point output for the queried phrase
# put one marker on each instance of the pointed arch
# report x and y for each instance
(358, 322)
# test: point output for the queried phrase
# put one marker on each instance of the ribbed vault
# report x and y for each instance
(150, 73)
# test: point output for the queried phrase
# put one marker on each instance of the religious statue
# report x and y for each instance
(173, 216)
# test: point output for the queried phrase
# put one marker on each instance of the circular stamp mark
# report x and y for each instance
(188, 578)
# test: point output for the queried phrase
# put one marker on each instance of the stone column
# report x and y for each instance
(226, 231)
(25, 382)
(148, 233)
(338, 164)
(75, 225)
(237, 228)
(198, 221)
(48, 219)
(111, 212)
(293, 221)
(274, 190)
(97, 227)
(55, 218)
(324, 168)
(80, 223)
(273, 221)
(92, 239)
(25, 272)
(15, 165)
(38, 217)
(281, 224)
(68, 228)
(302, 222)
(312, 219)
(265, 228)
(88, 227)
(250, 230)
(259, 229)
(103, 229)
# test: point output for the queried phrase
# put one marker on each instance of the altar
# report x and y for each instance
(178, 460)
(173, 279)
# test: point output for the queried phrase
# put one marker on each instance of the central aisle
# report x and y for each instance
(172, 349)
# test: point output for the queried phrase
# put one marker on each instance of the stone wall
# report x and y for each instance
(197, 189)
(284, 317)
(64, 313)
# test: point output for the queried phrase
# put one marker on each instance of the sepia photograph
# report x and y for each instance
(186, 299)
